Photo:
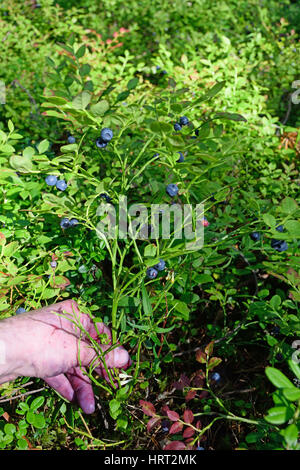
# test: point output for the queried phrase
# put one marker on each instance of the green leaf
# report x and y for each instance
(10, 125)
(292, 394)
(278, 378)
(9, 428)
(293, 227)
(150, 250)
(39, 421)
(80, 52)
(84, 70)
(288, 205)
(22, 444)
(269, 220)
(291, 434)
(10, 249)
(182, 308)
(82, 100)
(146, 301)
(21, 164)
(99, 108)
(114, 408)
(43, 146)
(58, 100)
(132, 83)
(231, 116)
(212, 92)
(278, 415)
(294, 368)
(37, 403)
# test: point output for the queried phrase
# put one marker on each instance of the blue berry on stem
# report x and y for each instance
(151, 273)
(100, 144)
(65, 223)
(183, 121)
(172, 189)
(160, 266)
(177, 127)
(255, 236)
(20, 310)
(51, 180)
(61, 185)
(73, 222)
(71, 139)
(181, 158)
(279, 245)
(216, 377)
(280, 228)
(106, 134)
(53, 264)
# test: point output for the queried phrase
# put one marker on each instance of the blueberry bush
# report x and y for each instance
(167, 103)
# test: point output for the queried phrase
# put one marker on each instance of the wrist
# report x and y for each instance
(9, 361)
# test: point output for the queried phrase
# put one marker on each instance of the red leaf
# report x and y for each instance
(175, 445)
(201, 357)
(198, 424)
(152, 423)
(188, 416)
(165, 410)
(172, 415)
(148, 408)
(190, 395)
(214, 362)
(175, 428)
(188, 432)
(209, 348)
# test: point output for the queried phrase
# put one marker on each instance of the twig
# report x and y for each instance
(23, 395)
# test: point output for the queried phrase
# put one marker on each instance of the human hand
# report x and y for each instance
(47, 343)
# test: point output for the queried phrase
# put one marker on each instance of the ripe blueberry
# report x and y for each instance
(53, 264)
(106, 134)
(183, 121)
(216, 377)
(255, 236)
(20, 310)
(172, 189)
(280, 228)
(160, 266)
(71, 139)
(177, 127)
(73, 222)
(279, 245)
(200, 448)
(106, 197)
(181, 158)
(51, 180)
(61, 184)
(100, 144)
(151, 273)
(156, 155)
(65, 223)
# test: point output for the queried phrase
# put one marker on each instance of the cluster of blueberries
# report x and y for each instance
(68, 223)
(152, 272)
(183, 121)
(52, 180)
(279, 245)
(105, 137)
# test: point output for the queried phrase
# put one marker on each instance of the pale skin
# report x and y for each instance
(45, 343)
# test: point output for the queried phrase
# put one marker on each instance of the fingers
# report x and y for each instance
(116, 358)
(83, 390)
(61, 384)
